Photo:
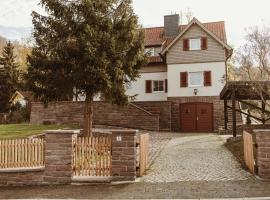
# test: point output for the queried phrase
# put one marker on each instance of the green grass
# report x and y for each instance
(25, 130)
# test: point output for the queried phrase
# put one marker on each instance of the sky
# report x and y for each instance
(15, 15)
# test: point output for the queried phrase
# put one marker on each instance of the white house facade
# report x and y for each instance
(187, 67)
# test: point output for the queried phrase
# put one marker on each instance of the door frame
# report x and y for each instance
(180, 113)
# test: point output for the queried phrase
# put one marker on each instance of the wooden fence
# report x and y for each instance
(143, 153)
(21, 153)
(92, 156)
(249, 151)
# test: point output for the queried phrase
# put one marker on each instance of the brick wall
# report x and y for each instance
(218, 109)
(21, 177)
(161, 108)
(104, 114)
(124, 155)
(263, 153)
(59, 158)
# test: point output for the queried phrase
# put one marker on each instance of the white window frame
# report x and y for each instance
(189, 79)
(150, 51)
(153, 86)
(195, 44)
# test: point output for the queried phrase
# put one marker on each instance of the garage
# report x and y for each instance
(196, 117)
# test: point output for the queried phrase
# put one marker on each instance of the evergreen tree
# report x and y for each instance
(8, 76)
(8, 60)
(95, 46)
(5, 91)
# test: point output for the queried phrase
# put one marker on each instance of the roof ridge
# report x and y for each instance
(187, 24)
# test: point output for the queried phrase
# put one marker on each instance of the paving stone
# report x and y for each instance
(193, 158)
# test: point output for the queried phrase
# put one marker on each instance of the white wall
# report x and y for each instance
(218, 70)
(138, 87)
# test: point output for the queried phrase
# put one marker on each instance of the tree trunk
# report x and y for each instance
(88, 117)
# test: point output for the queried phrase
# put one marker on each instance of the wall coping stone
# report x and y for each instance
(261, 131)
(16, 170)
(60, 131)
(124, 131)
(91, 179)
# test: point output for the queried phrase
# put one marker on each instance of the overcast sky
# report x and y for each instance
(238, 14)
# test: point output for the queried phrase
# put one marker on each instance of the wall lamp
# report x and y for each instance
(196, 91)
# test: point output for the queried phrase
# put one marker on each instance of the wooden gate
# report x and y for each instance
(143, 153)
(249, 151)
(92, 156)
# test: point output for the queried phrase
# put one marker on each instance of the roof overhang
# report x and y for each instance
(246, 90)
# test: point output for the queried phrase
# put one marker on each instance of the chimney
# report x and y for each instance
(171, 25)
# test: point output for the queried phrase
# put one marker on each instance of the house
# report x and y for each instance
(24, 98)
(177, 91)
(187, 67)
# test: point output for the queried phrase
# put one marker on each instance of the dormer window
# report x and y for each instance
(195, 44)
(150, 51)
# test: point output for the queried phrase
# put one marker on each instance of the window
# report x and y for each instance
(150, 51)
(195, 79)
(195, 44)
(158, 86)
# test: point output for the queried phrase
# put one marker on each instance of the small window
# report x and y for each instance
(150, 51)
(195, 44)
(195, 79)
(158, 86)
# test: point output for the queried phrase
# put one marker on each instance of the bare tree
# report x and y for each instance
(254, 58)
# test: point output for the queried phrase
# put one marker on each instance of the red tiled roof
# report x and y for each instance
(155, 36)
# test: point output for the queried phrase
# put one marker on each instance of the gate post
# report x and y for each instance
(263, 153)
(58, 156)
(124, 155)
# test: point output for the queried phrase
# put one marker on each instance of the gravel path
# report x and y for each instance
(195, 158)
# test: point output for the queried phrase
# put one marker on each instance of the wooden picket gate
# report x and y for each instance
(142, 153)
(249, 151)
(21, 153)
(92, 156)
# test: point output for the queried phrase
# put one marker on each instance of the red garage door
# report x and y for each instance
(196, 117)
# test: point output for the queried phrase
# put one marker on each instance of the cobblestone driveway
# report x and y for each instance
(194, 158)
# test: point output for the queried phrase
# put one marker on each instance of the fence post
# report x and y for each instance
(263, 153)
(58, 156)
(124, 155)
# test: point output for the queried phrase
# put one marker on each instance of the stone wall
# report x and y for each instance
(21, 177)
(130, 116)
(124, 155)
(263, 153)
(58, 168)
(217, 103)
(161, 108)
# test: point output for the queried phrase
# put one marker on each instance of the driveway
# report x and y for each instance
(195, 158)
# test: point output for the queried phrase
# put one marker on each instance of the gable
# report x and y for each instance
(214, 53)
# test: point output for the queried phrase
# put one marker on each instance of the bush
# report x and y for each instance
(18, 114)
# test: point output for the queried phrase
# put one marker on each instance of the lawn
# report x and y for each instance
(25, 130)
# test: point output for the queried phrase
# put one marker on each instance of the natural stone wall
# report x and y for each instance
(161, 108)
(217, 103)
(58, 157)
(21, 177)
(124, 155)
(130, 116)
(263, 153)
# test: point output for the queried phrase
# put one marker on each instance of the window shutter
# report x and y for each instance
(166, 85)
(204, 43)
(183, 79)
(186, 44)
(207, 79)
(148, 86)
